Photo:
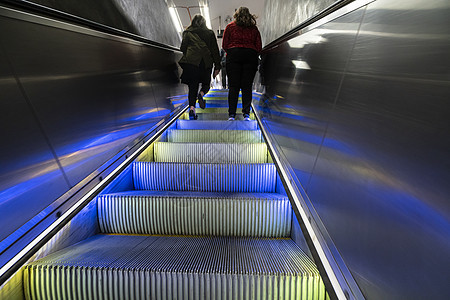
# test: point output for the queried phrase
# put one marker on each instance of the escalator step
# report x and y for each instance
(212, 110)
(210, 153)
(214, 136)
(201, 214)
(221, 102)
(214, 116)
(172, 267)
(245, 178)
(217, 125)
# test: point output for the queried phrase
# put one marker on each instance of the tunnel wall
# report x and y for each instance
(73, 102)
(358, 106)
(280, 17)
(149, 19)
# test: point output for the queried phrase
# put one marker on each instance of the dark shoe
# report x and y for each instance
(231, 118)
(201, 101)
(192, 115)
(246, 117)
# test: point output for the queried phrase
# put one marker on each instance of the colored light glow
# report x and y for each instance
(315, 237)
(89, 195)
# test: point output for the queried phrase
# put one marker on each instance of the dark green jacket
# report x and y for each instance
(197, 44)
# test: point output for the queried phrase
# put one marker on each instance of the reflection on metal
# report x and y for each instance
(300, 64)
(76, 207)
(89, 98)
(365, 132)
(333, 273)
(311, 37)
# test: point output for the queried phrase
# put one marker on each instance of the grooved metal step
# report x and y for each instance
(150, 267)
(195, 213)
(216, 116)
(217, 125)
(246, 178)
(210, 153)
(220, 102)
(214, 136)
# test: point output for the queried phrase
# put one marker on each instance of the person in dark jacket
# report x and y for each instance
(200, 52)
(242, 42)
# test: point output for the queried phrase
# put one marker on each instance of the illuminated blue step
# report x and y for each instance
(195, 213)
(244, 178)
(214, 136)
(210, 152)
(221, 103)
(217, 125)
(215, 113)
(174, 267)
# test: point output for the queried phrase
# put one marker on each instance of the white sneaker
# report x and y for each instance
(230, 119)
(247, 117)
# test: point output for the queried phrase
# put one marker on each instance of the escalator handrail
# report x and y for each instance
(8, 269)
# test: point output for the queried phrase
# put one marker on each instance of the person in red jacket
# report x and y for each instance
(242, 42)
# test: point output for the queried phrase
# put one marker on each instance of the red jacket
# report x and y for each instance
(243, 37)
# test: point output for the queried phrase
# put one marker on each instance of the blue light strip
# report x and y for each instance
(65, 218)
(333, 269)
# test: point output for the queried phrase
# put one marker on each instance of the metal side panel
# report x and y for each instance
(246, 178)
(210, 153)
(142, 267)
(217, 125)
(214, 136)
(221, 214)
(359, 108)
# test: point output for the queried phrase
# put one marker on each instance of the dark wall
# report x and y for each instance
(359, 107)
(103, 12)
(72, 101)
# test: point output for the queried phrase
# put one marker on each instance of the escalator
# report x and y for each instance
(201, 214)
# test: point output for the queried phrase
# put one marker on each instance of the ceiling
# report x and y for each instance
(221, 11)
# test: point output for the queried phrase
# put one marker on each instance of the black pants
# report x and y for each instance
(193, 76)
(242, 64)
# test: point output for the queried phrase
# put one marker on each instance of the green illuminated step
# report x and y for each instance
(210, 153)
(173, 267)
(214, 136)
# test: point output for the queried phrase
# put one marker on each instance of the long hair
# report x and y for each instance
(198, 21)
(244, 18)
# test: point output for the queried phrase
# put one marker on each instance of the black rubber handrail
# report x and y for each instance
(45, 11)
(293, 32)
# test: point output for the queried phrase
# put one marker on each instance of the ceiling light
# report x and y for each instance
(204, 9)
(176, 19)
